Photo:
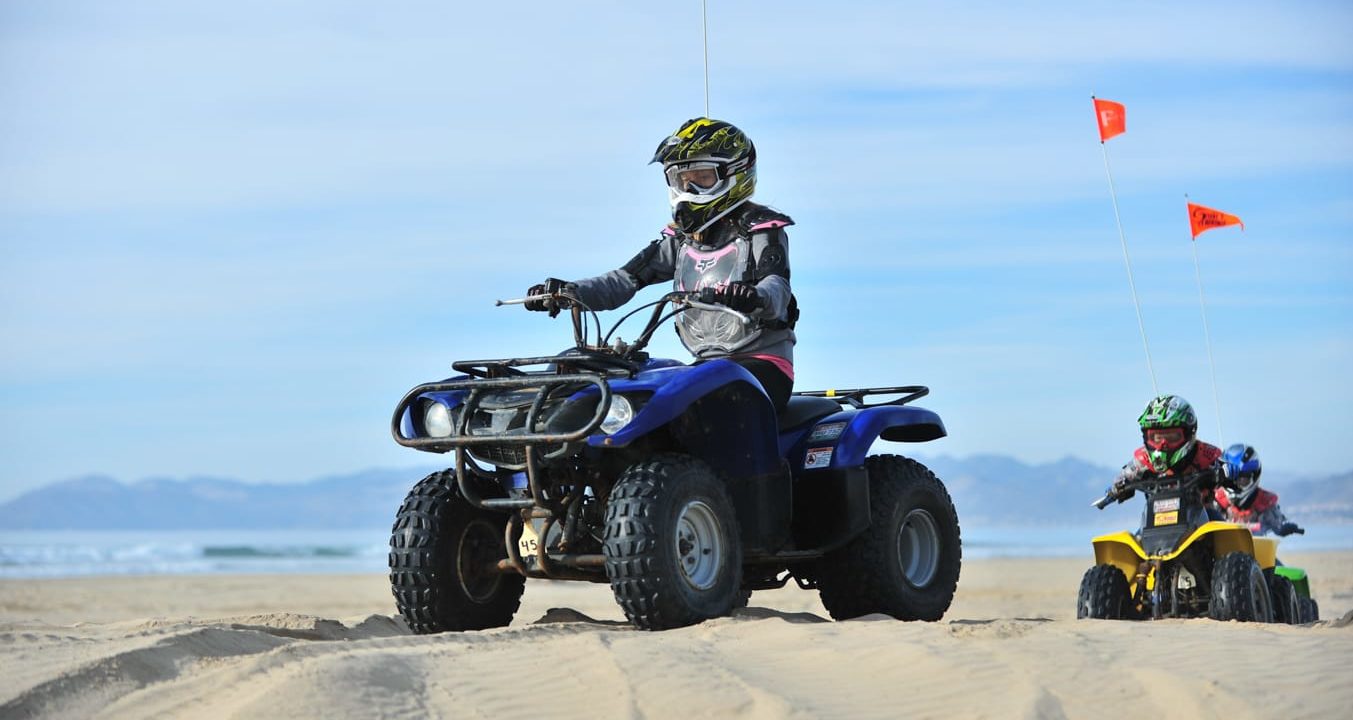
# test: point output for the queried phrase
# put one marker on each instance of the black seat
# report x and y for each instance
(804, 408)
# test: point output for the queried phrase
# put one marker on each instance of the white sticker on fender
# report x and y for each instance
(826, 431)
(817, 458)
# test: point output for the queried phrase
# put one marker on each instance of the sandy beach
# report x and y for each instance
(327, 646)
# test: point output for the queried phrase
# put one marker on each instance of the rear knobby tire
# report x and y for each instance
(906, 563)
(1239, 591)
(673, 553)
(1286, 602)
(1310, 610)
(442, 557)
(1104, 594)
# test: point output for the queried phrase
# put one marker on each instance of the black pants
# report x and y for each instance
(776, 384)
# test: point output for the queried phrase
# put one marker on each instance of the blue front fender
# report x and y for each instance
(674, 390)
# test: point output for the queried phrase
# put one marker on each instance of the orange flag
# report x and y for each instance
(1112, 118)
(1202, 219)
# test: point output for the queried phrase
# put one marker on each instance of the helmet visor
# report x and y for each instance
(1165, 438)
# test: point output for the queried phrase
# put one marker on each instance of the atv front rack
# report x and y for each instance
(544, 384)
(855, 398)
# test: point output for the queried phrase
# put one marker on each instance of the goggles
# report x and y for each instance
(1164, 438)
(695, 178)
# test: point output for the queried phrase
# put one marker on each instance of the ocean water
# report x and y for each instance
(55, 554)
(33, 554)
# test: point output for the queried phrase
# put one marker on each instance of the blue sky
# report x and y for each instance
(232, 235)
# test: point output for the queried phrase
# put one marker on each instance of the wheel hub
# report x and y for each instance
(699, 545)
(918, 547)
(480, 548)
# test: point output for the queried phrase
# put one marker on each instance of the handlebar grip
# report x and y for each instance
(1109, 497)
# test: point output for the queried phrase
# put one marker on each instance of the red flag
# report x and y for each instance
(1112, 118)
(1202, 219)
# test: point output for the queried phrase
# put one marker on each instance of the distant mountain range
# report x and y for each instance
(1000, 490)
(987, 490)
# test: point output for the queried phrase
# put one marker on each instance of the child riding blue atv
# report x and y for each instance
(685, 487)
(732, 251)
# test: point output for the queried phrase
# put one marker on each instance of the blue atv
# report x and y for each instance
(677, 484)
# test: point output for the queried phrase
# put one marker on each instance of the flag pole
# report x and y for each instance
(1207, 334)
(1127, 262)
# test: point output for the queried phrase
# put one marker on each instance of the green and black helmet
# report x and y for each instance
(710, 168)
(1167, 413)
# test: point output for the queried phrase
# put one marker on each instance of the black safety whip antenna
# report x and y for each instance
(704, 32)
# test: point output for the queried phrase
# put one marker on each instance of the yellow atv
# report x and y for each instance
(1182, 564)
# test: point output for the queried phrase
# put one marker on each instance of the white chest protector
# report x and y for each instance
(706, 332)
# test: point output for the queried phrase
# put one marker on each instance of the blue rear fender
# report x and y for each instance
(842, 439)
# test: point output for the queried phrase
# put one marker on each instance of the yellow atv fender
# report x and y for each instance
(1122, 550)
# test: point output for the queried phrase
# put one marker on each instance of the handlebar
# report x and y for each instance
(1130, 487)
(522, 300)
(684, 300)
(684, 297)
(690, 301)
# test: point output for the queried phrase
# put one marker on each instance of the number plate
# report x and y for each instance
(1167, 518)
(529, 542)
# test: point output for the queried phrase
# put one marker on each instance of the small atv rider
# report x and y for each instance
(720, 244)
(1242, 500)
(1170, 445)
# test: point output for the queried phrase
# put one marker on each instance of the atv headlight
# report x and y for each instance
(620, 415)
(437, 420)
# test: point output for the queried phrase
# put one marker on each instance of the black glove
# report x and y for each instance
(1289, 528)
(549, 287)
(739, 296)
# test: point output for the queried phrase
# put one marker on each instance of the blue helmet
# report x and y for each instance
(1241, 467)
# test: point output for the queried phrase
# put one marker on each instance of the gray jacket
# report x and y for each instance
(748, 245)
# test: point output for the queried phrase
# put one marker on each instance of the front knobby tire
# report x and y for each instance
(1239, 591)
(1286, 602)
(672, 550)
(443, 553)
(1104, 594)
(906, 563)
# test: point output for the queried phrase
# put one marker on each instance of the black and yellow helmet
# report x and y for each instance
(710, 168)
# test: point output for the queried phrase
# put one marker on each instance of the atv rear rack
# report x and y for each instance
(855, 398)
